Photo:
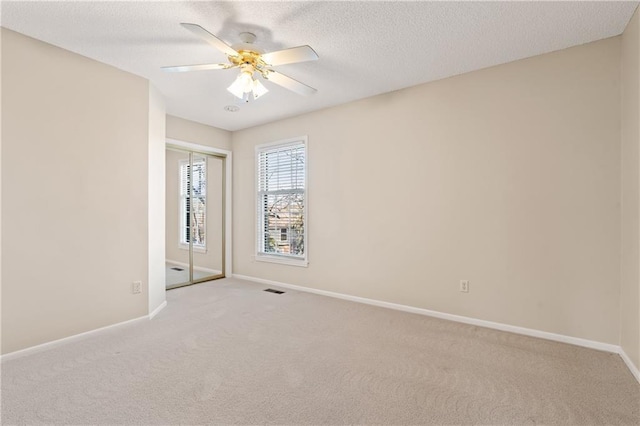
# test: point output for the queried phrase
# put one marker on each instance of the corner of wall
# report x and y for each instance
(156, 210)
(0, 188)
(630, 195)
(202, 134)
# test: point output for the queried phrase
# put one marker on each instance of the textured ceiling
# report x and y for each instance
(365, 48)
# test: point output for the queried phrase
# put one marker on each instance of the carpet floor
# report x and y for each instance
(226, 352)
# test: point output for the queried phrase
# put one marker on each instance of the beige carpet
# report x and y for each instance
(227, 352)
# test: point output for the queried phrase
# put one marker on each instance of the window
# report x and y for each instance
(281, 201)
(193, 223)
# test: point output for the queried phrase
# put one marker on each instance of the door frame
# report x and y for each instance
(228, 261)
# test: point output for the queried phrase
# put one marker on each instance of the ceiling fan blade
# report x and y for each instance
(200, 67)
(290, 56)
(290, 83)
(210, 38)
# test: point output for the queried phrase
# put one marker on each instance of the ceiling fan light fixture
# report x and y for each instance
(245, 84)
(236, 90)
(258, 89)
(242, 84)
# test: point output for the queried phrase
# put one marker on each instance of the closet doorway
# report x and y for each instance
(195, 216)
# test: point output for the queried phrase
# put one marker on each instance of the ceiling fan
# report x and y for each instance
(251, 60)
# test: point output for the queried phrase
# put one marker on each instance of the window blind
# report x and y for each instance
(281, 200)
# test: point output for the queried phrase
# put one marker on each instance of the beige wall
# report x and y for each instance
(212, 258)
(508, 177)
(201, 134)
(630, 288)
(74, 193)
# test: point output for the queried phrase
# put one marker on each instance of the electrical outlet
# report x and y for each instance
(136, 287)
(464, 286)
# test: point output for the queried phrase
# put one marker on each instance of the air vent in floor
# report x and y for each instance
(270, 290)
(177, 269)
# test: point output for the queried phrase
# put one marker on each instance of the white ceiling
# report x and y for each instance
(365, 48)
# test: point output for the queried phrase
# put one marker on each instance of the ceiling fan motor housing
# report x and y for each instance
(248, 38)
(249, 58)
(247, 50)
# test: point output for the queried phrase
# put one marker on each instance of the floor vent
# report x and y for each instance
(270, 290)
(177, 269)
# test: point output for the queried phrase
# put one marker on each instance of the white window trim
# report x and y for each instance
(197, 248)
(282, 259)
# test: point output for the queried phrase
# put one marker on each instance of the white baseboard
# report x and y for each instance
(195, 268)
(634, 369)
(157, 310)
(607, 347)
(64, 340)
(54, 343)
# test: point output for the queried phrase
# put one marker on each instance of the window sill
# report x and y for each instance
(195, 249)
(283, 260)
